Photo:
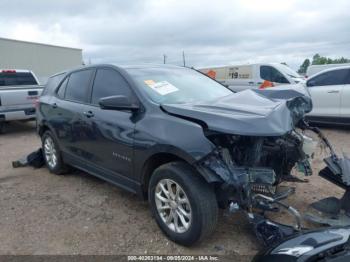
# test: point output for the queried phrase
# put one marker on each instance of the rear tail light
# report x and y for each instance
(9, 71)
(36, 103)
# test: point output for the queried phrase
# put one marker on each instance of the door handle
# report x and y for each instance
(89, 114)
(54, 105)
(251, 83)
(333, 92)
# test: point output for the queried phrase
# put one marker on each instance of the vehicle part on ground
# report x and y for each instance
(2, 126)
(326, 244)
(34, 159)
(183, 204)
(331, 210)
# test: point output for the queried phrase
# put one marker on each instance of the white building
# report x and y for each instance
(44, 60)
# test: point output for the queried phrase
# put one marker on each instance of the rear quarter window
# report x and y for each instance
(52, 84)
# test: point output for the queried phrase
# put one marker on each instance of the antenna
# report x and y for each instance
(164, 59)
(183, 58)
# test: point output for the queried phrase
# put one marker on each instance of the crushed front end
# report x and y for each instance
(250, 168)
(249, 172)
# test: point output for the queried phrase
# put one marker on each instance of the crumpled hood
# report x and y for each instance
(250, 112)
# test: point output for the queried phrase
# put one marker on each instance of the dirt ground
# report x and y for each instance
(42, 213)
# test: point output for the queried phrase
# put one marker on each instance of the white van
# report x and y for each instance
(314, 69)
(252, 76)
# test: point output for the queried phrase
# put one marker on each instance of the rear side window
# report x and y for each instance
(335, 77)
(109, 82)
(52, 84)
(270, 73)
(16, 79)
(78, 85)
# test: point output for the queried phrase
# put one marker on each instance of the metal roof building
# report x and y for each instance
(43, 59)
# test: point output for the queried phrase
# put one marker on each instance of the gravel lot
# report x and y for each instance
(42, 213)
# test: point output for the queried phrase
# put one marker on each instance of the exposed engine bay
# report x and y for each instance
(251, 170)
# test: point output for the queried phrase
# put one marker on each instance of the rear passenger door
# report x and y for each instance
(113, 130)
(67, 113)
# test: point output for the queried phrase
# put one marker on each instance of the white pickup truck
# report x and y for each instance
(19, 91)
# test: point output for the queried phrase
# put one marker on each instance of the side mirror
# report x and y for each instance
(310, 83)
(118, 103)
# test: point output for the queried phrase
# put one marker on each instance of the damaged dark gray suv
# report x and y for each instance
(179, 139)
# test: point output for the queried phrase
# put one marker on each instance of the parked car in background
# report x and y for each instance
(19, 91)
(314, 69)
(253, 76)
(177, 138)
(330, 93)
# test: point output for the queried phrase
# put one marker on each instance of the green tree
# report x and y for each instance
(304, 66)
(321, 60)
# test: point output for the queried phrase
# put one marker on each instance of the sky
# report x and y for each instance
(220, 32)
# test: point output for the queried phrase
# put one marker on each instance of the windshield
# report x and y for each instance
(176, 85)
(289, 71)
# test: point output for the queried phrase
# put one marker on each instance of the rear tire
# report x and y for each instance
(52, 154)
(191, 199)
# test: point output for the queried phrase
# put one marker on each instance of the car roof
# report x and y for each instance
(122, 66)
(330, 69)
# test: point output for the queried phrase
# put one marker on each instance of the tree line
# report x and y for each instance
(320, 60)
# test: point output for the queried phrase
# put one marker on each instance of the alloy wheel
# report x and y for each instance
(173, 205)
(50, 152)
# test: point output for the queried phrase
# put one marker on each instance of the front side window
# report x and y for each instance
(176, 85)
(335, 77)
(108, 82)
(271, 74)
(78, 85)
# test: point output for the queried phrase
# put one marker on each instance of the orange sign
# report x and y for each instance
(266, 84)
(211, 74)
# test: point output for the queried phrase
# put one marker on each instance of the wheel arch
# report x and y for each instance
(160, 158)
(152, 163)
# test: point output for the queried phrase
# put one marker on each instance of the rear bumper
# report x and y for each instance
(17, 114)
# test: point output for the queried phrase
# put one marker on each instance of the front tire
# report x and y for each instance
(52, 154)
(183, 204)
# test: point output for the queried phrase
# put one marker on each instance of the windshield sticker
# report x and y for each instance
(149, 82)
(162, 87)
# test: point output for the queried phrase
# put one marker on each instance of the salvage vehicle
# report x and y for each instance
(181, 140)
(19, 90)
(253, 76)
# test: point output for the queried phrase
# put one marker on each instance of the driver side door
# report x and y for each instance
(111, 131)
